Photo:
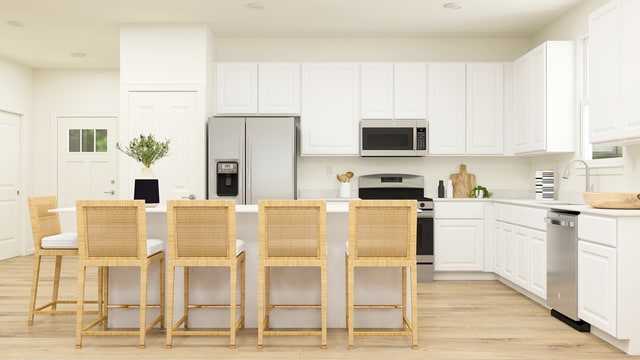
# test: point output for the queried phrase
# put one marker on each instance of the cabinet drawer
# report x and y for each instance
(597, 229)
(530, 217)
(459, 210)
(504, 212)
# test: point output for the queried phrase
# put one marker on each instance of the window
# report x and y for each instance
(599, 154)
(87, 140)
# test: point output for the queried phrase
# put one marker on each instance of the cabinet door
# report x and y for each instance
(604, 73)
(236, 88)
(522, 274)
(522, 104)
(376, 89)
(597, 290)
(330, 114)
(446, 106)
(538, 263)
(458, 245)
(508, 252)
(498, 245)
(279, 88)
(630, 54)
(485, 108)
(538, 135)
(410, 91)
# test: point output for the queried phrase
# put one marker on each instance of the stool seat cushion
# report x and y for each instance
(239, 246)
(154, 246)
(60, 241)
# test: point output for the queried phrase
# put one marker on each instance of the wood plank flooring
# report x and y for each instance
(458, 320)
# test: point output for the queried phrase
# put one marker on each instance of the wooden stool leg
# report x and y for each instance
(414, 306)
(261, 283)
(170, 293)
(185, 296)
(80, 305)
(404, 297)
(267, 292)
(143, 306)
(162, 298)
(242, 292)
(323, 290)
(233, 272)
(350, 286)
(35, 278)
(56, 283)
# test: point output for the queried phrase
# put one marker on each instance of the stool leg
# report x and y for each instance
(162, 298)
(323, 290)
(143, 305)
(185, 297)
(242, 292)
(261, 280)
(35, 278)
(414, 306)
(80, 305)
(233, 272)
(56, 283)
(404, 297)
(350, 286)
(170, 293)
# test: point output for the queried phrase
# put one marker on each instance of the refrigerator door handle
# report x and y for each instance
(249, 196)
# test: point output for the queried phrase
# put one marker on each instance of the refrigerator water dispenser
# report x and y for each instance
(227, 182)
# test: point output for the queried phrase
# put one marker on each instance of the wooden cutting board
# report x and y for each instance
(612, 200)
(462, 182)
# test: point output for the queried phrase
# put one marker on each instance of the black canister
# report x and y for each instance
(441, 189)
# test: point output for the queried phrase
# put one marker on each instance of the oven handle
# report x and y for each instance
(425, 215)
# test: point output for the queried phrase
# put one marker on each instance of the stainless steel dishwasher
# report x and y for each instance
(562, 267)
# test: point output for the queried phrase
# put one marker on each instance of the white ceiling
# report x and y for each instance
(55, 28)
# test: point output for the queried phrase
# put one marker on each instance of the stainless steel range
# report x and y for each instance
(406, 186)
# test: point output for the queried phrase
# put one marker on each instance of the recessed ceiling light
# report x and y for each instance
(16, 23)
(77, 54)
(255, 5)
(452, 6)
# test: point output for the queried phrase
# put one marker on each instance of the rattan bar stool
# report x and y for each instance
(48, 240)
(202, 233)
(291, 233)
(113, 233)
(382, 233)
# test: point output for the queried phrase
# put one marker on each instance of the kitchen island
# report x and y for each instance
(298, 285)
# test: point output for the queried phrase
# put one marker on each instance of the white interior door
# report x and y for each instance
(170, 115)
(87, 166)
(10, 165)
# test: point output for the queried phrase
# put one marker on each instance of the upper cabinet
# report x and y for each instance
(544, 99)
(466, 108)
(330, 116)
(394, 91)
(250, 88)
(614, 77)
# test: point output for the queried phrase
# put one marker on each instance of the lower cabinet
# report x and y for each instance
(458, 245)
(597, 290)
(458, 231)
(520, 247)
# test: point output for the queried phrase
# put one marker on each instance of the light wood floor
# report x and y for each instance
(458, 320)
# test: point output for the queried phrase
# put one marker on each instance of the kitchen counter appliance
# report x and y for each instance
(562, 267)
(393, 138)
(251, 158)
(406, 186)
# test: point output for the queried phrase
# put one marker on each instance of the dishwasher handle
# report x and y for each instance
(564, 223)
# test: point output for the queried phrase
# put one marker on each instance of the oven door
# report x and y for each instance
(424, 246)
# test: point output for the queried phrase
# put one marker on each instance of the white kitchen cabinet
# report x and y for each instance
(410, 91)
(394, 91)
(257, 89)
(597, 293)
(459, 236)
(330, 115)
(614, 52)
(520, 230)
(236, 88)
(544, 99)
(466, 108)
(447, 108)
(279, 88)
(485, 109)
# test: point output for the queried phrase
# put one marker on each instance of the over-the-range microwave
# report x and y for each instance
(393, 138)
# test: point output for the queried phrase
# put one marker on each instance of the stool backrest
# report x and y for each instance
(292, 228)
(201, 228)
(43, 222)
(382, 228)
(111, 228)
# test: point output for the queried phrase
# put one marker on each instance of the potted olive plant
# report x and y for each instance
(146, 150)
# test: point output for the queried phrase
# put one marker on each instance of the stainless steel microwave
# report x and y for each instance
(393, 138)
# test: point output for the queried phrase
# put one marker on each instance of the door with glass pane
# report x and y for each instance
(86, 161)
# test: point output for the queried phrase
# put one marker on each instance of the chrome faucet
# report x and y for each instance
(567, 172)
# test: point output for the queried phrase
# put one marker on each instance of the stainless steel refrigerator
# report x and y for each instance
(251, 158)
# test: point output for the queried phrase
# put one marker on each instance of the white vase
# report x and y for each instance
(146, 173)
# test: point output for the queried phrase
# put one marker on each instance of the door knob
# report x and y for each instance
(190, 197)
(112, 192)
